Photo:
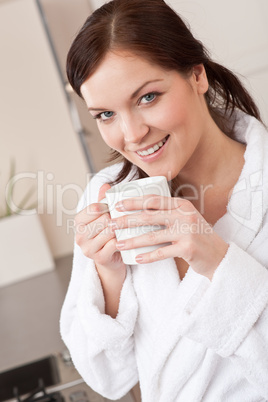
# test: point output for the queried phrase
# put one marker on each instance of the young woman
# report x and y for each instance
(190, 320)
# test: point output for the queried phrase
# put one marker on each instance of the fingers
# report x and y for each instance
(103, 190)
(147, 239)
(109, 249)
(91, 230)
(94, 246)
(90, 213)
(93, 211)
(154, 217)
(153, 201)
(157, 255)
(98, 241)
(93, 235)
(140, 219)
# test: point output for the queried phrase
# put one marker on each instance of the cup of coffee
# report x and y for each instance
(156, 185)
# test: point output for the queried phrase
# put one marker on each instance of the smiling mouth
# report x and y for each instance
(154, 148)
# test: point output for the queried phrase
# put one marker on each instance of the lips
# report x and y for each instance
(152, 149)
(153, 152)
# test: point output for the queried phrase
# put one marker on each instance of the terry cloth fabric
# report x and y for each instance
(190, 340)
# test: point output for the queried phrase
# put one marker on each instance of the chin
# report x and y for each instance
(161, 170)
(169, 174)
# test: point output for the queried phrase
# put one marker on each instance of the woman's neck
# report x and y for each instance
(213, 172)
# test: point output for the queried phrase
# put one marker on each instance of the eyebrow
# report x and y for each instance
(96, 109)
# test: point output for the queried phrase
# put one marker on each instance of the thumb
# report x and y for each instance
(102, 191)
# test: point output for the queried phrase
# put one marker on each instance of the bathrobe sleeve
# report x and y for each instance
(231, 317)
(102, 348)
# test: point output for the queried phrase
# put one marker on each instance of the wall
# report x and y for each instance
(35, 125)
(236, 34)
(64, 18)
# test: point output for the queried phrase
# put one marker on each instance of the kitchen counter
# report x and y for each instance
(29, 327)
(29, 316)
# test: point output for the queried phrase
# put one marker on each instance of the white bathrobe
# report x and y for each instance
(190, 340)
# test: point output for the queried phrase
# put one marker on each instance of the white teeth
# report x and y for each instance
(152, 149)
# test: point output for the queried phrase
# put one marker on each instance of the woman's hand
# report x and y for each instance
(95, 237)
(98, 242)
(191, 237)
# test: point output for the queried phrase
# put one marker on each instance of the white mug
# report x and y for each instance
(156, 185)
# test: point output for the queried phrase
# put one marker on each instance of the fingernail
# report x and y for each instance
(120, 244)
(120, 206)
(139, 258)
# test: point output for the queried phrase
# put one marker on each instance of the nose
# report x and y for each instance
(134, 128)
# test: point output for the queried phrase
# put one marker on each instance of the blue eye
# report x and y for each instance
(148, 97)
(104, 116)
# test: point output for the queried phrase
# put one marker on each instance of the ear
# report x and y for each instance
(200, 79)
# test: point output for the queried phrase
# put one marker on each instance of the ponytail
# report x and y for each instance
(226, 92)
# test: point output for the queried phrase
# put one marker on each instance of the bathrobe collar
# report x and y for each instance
(249, 200)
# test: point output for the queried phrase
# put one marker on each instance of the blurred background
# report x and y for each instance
(49, 146)
(47, 130)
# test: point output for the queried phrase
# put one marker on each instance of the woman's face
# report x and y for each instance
(155, 118)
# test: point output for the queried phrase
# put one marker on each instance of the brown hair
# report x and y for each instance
(152, 29)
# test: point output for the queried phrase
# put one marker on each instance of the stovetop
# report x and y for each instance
(53, 378)
(40, 394)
